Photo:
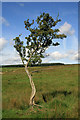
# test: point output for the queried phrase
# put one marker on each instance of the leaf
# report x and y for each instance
(39, 37)
(56, 44)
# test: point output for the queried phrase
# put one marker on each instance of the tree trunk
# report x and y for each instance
(32, 86)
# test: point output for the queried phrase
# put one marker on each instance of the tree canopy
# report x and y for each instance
(41, 37)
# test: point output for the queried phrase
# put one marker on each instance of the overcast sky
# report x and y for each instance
(15, 13)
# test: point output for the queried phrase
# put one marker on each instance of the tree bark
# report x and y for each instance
(32, 86)
(31, 81)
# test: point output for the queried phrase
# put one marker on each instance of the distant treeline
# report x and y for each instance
(43, 64)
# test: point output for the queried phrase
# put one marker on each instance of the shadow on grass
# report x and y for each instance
(53, 94)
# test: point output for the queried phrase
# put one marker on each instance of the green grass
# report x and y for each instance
(57, 92)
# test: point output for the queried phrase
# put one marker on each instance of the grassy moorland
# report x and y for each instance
(57, 92)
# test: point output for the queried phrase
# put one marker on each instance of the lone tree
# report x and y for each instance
(39, 39)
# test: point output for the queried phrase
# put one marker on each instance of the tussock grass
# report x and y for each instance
(57, 92)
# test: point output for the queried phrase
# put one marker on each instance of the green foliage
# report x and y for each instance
(40, 38)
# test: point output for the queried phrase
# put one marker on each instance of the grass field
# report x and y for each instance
(57, 92)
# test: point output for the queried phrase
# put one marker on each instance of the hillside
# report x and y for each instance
(42, 64)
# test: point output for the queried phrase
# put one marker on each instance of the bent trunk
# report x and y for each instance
(32, 86)
(31, 82)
